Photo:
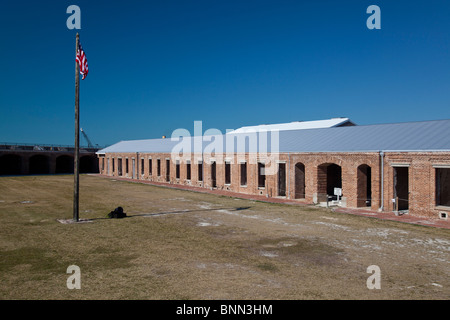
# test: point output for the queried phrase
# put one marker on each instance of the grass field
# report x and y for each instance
(185, 245)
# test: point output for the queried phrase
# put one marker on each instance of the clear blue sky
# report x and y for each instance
(156, 66)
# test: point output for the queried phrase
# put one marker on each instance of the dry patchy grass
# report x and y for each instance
(185, 245)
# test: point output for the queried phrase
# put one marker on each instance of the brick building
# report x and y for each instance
(401, 167)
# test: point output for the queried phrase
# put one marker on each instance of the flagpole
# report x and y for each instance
(76, 196)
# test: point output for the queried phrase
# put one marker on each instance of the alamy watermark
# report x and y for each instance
(374, 281)
(74, 21)
(74, 281)
(232, 147)
(374, 21)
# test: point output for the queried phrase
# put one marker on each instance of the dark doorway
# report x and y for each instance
(167, 170)
(213, 175)
(329, 178)
(282, 179)
(188, 170)
(89, 164)
(443, 187)
(401, 188)
(177, 169)
(200, 171)
(227, 172)
(299, 181)
(364, 186)
(64, 164)
(158, 167)
(39, 164)
(243, 166)
(261, 175)
(10, 164)
(119, 167)
(334, 178)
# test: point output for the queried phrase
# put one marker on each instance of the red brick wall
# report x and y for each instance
(422, 182)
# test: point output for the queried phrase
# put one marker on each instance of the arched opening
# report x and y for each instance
(329, 178)
(299, 176)
(64, 164)
(10, 164)
(39, 164)
(364, 186)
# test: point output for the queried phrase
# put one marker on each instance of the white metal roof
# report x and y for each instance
(295, 125)
(408, 136)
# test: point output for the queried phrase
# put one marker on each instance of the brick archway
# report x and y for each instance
(39, 164)
(10, 164)
(329, 176)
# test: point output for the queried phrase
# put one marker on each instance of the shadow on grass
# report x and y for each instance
(172, 212)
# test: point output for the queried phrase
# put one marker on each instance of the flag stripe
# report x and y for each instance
(82, 61)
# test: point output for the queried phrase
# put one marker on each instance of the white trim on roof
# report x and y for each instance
(296, 125)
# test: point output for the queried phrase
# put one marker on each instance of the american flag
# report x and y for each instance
(82, 61)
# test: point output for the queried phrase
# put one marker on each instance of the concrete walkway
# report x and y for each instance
(423, 221)
(406, 218)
